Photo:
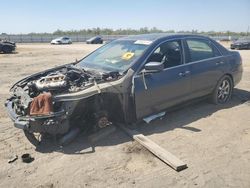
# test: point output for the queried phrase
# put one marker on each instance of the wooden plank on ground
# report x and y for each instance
(158, 151)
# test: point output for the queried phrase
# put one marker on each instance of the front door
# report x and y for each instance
(156, 91)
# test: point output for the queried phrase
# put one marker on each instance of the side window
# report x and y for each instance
(169, 53)
(199, 50)
(216, 51)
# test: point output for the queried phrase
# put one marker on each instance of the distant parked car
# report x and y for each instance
(7, 46)
(95, 40)
(61, 40)
(242, 43)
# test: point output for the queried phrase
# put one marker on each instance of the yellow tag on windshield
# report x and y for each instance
(128, 55)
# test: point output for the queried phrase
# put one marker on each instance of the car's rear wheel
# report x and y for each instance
(223, 91)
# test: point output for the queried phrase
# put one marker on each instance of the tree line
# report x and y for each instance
(143, 30)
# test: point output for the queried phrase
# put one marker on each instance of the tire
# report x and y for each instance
(223, 91)
(7, 49)
(31, 137)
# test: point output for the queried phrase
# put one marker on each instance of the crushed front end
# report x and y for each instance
(57, 100)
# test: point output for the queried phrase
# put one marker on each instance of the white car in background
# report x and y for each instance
(61, 40)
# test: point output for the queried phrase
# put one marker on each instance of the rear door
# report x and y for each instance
(157, 91)
(206, 65)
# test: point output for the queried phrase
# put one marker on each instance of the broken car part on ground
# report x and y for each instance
(123, 81)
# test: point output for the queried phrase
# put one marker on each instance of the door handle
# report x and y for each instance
(182, 74)
(220, 63)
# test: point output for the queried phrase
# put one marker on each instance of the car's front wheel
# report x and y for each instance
(223, 91)
(35, 140)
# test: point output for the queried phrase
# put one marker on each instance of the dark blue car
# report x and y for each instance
(95, 40)
(243, 43)
(124, 81)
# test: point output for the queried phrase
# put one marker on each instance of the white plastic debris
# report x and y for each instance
(152, 117)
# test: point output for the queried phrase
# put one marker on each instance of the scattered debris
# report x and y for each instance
(155, 116)
(158, 151)
(13, 159)
(26, 158)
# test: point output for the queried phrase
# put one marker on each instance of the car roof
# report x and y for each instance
(95, 37)
(155, 36)
(244, 39)
(62, 37)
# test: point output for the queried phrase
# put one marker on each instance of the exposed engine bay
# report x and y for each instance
(90, 100)
(68, 79)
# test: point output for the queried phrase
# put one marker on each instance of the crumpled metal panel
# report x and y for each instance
(42, 104)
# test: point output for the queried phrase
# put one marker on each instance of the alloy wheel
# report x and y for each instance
(224, 91)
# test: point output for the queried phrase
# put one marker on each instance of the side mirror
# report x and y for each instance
(154, 67)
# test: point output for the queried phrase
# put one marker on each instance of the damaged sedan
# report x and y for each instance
(123, 81)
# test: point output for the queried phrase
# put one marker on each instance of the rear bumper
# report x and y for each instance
(237, 74)
(237, 77)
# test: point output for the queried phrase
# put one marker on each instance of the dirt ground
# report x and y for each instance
(213, 140)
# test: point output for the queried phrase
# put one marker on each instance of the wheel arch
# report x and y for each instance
(231, 76)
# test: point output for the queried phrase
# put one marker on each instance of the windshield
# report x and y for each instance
(115, 56)
(93, 38)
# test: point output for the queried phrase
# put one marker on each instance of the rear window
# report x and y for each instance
(199, 50)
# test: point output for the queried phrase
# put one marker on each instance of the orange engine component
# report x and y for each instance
(42, 104)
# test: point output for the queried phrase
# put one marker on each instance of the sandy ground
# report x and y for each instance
(213, 140)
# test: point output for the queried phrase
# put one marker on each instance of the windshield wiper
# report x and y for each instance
(77, 67)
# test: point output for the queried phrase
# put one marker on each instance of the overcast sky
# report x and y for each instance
(25, 16)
